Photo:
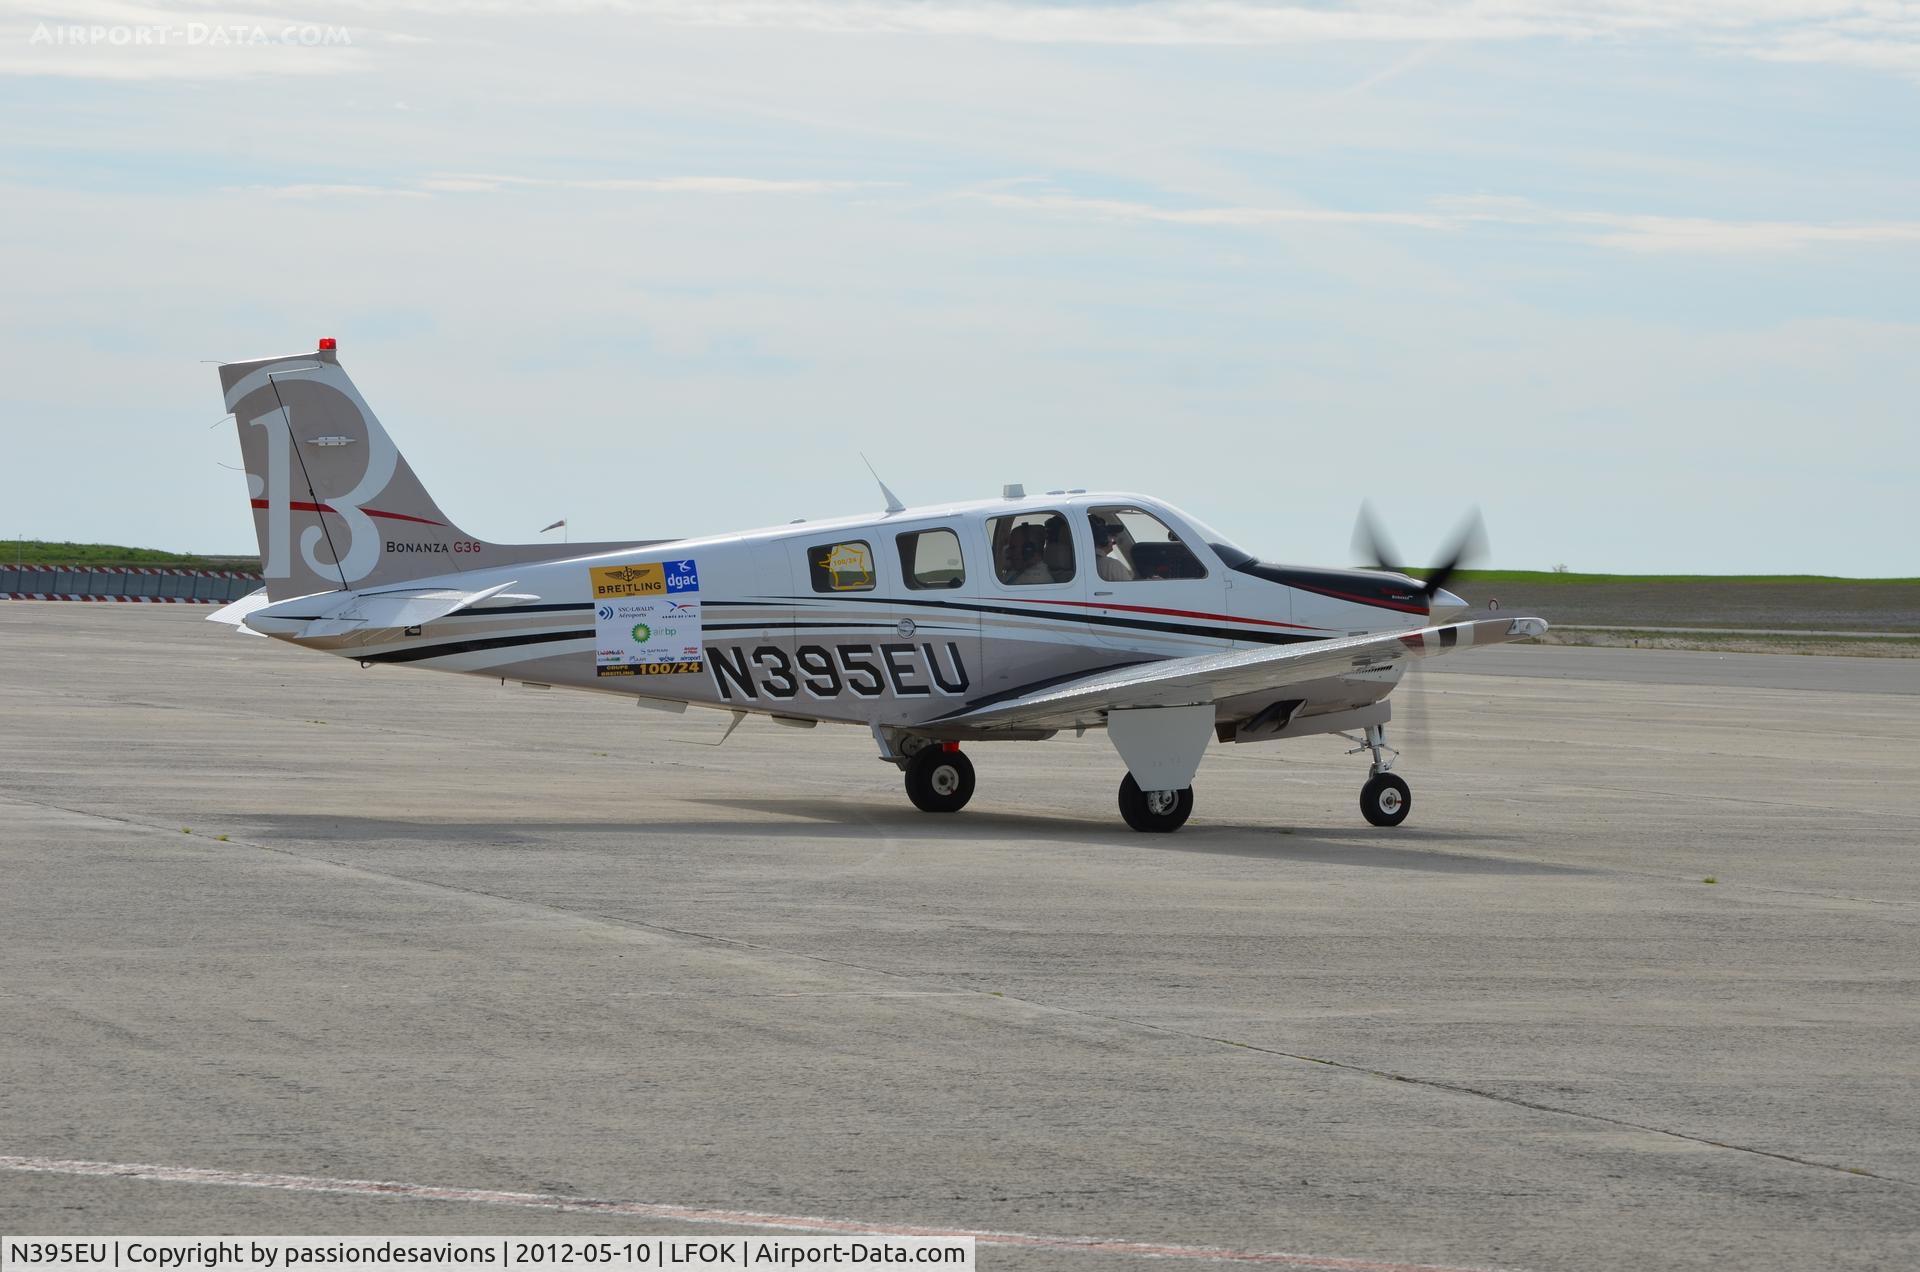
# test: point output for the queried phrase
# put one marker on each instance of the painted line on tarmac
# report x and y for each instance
(701, 1214)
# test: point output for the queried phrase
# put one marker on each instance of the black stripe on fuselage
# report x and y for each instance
(471, 646)
(1098, 620)
(779, 625)
(552, 608)
(775, 625)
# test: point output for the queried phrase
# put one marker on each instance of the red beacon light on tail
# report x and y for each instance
(328, 343)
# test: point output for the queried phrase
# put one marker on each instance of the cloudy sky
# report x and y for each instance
(1641, 280)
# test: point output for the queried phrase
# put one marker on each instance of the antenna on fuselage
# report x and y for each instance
(893, 501)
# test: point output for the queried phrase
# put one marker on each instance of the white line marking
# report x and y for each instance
(701, 1214)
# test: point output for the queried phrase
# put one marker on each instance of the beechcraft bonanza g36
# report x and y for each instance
(1009, 619)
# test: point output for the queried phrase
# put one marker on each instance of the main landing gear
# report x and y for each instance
(1154, 812)
(1386, 799)
(939, 778)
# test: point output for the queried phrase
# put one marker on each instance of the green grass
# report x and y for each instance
(1553, 578)
(109, 555)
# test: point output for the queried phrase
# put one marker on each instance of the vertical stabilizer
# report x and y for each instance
(335, 504)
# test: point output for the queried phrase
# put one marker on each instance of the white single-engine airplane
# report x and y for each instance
(1006, 619)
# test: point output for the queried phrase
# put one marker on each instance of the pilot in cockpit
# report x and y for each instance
(1109, 557)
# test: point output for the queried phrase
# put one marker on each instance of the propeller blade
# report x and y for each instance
(1371, 544)
(1469, 545)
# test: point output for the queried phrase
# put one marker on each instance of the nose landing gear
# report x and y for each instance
(1386, 799)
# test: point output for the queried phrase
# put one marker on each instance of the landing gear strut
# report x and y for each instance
(1386, 799)
(939, 778)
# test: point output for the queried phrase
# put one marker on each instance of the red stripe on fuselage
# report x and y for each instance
(300, 506)
(1375, 601)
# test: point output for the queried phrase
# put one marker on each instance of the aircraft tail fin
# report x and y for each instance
(336, 506)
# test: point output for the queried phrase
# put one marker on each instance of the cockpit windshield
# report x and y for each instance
(1234, 557)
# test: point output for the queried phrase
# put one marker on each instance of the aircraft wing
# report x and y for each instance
(1209, 678)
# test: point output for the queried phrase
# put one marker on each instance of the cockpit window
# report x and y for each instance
(1131, 544)
(1235, 557)
(1031, 548)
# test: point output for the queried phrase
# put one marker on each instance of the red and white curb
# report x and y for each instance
(171, 571)
(703, 1214)
(127, 600)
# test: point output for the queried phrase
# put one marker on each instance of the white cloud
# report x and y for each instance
(1869, 34)
(1636, 232)
(317, 190)
(1883, 34)
(494, 183)
(1629, 231)
(465, 182)
(1126, 210)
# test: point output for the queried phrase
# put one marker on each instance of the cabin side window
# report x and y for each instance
(1131, 544)
(1031, 548)
(931, 559)
(846, 566)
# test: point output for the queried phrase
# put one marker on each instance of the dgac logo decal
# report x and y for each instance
(866, 671)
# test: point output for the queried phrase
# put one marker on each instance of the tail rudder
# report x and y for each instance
(335, 504)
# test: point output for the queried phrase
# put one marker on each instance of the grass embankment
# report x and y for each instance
(1870, 613)
(1554, 578)
(107, 556)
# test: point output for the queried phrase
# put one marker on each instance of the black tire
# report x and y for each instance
(1386, 799)
(939, 780)
(1155, 813)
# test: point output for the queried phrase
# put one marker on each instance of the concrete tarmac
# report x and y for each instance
(264, 911)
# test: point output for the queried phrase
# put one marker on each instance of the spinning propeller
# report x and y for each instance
(1376, 550)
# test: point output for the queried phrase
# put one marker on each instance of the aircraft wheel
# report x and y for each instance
(1154, 812)
(1386, 799)
(939, 780)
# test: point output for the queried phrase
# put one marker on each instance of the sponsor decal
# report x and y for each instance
(682, 576)
(646, 619)
(649, 579)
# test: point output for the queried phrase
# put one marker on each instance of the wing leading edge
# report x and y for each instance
(1210, 678)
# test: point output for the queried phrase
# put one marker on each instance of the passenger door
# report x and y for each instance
(928, 579)
(1148, 590)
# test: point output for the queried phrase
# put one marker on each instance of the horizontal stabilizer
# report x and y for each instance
(357, 613)
(234, 613)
